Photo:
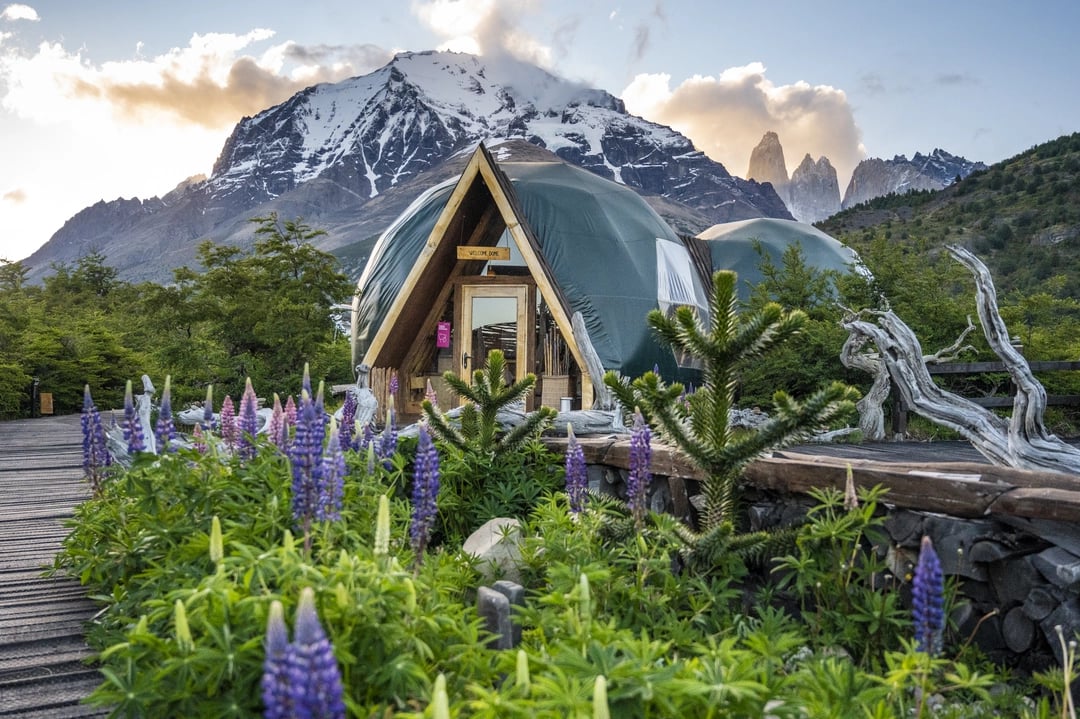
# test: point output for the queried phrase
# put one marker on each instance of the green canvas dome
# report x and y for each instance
(610, 255)
(731, 247)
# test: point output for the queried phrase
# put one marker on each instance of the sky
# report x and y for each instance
(126, 98)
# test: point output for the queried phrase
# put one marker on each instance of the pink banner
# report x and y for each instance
(442, 335)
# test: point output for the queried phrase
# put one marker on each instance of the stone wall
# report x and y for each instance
(1010, 542)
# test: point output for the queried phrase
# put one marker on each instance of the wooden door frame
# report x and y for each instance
(482, 286)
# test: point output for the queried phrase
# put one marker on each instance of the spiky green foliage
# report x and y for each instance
(702, 428)
(478, 428)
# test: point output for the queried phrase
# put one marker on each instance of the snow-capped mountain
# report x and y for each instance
(874, 177)
(347, 157)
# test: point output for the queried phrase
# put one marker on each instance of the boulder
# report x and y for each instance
(497, 547)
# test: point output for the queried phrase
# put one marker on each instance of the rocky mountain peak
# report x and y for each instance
(874, 177)
(814, 191)
(348, 157)
(767, 163)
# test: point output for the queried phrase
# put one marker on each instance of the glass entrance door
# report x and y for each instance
(494, 316)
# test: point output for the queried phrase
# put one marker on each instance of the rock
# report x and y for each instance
(905, 527)
(1040, 602)
(515, 594)
(1060, 567)
(767, 164)
(1018, 630)
(494, 610)
(814, 192)
(1012, 580)
(953, 539)
(497, 547)
(985, 551)
(874, 177)
(1066, 616)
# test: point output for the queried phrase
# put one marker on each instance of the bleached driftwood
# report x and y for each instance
(853, 356)
(1020, 441)
(603, 398)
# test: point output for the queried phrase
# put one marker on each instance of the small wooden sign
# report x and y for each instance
(46, 403)
(483, 253)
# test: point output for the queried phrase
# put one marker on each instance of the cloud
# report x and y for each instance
(726, 116)
(212, 82)
(485, 27)
(15, 197)
(19, 12)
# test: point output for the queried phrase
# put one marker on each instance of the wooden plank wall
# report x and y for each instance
(42, 652)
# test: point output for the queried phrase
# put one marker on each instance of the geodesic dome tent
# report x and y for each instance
(731, 247)
(580, 243)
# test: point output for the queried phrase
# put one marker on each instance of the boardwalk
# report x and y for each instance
(43, 673)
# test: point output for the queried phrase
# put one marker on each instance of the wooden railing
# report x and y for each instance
(900, 410)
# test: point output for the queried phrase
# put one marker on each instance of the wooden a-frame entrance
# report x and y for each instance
(445, 288)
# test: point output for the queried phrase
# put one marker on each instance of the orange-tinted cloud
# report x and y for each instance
(15, 197)
(726, 116)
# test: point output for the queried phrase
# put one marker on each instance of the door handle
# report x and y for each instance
(465, 360)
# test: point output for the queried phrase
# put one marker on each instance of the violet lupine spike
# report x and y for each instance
(928, 600)
(332, 480)
(367, 437)
(133, 433)
(639, 477)
(275, 679)
(228, 423)
(165, 429)
(431, 395)
(198, 440)
(291, 413)
(388, 441)
(425, 493)
(95, 452)
(276, 430)
(305, 383)
(315, 688)
(305, 456)
(248, 423)
(577, 482)
(393, 387)
(348, 421)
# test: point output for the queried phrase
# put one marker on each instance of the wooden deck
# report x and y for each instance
(43, 670)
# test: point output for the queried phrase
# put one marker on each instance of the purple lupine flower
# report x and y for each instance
(248, 423)
(291, 413)
(277, 430)
(388, 441)
(165, 430)
(275, 679)
(314, 678)
(95, 452)
(305, 383)
(198, 440)
(393, 386)
(133, 432)
(348, 420)
(228, 423)
(332, 481)
(367, 437)
(928, 600)
(431, 395)
(305, 456)
(639, 478)
(577, 481)
(425, 492)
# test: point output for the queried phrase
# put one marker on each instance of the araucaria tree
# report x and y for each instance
(488, 394)
(701, 427)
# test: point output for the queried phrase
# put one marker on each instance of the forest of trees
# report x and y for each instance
(264, 313)
(260, 314)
